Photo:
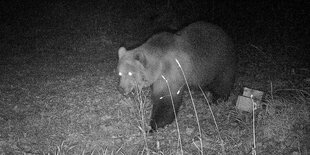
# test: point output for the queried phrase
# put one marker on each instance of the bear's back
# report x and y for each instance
(160, 43)
(209, 49)
(205, 40)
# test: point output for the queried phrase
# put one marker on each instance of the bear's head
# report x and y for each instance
(131, 69)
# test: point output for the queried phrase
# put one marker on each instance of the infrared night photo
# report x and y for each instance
(154, 77)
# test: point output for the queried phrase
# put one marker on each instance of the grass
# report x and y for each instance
(175, 115)
(197, 119)
(58, 94)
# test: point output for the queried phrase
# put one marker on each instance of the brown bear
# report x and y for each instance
(205, 53)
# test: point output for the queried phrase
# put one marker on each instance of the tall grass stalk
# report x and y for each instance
(175, 115)
(197, 119)
(216, 126)
(141, 97)
(253, 125)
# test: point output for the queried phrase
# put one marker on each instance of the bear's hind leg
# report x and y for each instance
(222, 87)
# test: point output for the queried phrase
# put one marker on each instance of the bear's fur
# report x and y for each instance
(205, 54)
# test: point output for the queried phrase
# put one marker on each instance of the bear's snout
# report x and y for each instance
(125, 89)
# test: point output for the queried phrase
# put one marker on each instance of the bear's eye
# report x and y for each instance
(120, 73)
(129, 73)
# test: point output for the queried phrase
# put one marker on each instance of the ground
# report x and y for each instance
(58, 88)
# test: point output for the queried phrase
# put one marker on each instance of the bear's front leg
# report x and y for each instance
(163, 112)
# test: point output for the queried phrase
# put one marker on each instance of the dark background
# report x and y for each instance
(280, 24)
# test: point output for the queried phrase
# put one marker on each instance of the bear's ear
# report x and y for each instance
(121, 52)
(141, 58)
